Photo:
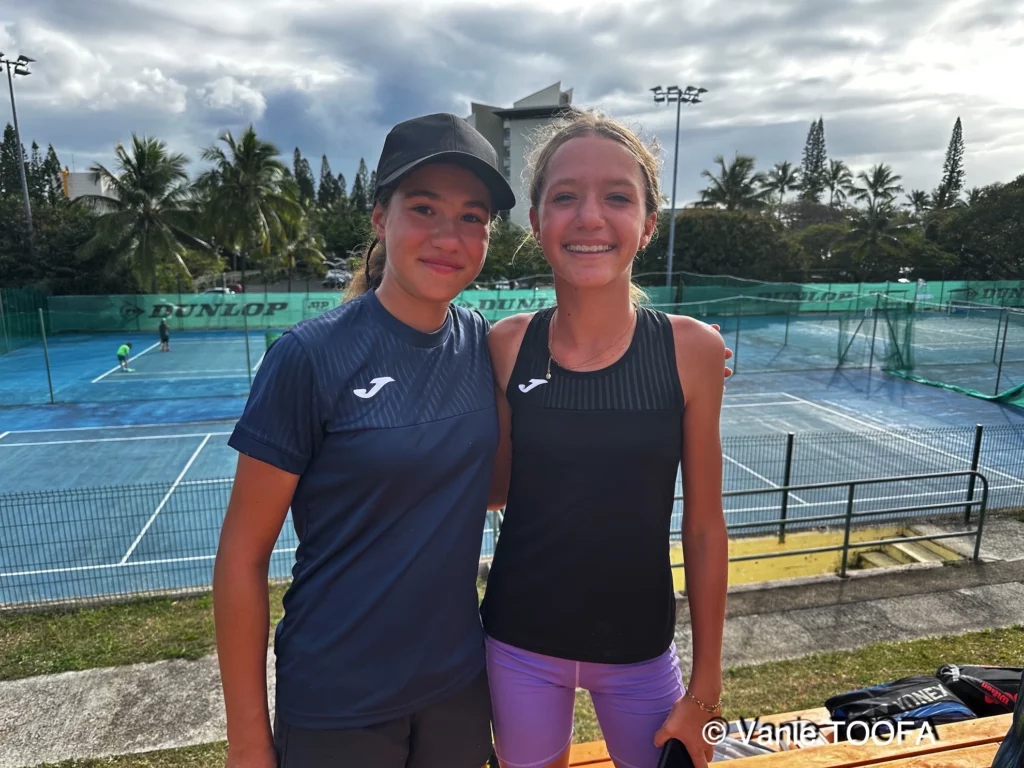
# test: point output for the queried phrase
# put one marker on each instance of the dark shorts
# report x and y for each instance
(122, 358)
(165, 337)
(454, 733)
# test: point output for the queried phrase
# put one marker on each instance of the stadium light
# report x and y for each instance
(674, 93)
(19, 66)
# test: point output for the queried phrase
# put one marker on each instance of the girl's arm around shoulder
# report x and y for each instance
(699, 355)
(700, 352)
(503, 341)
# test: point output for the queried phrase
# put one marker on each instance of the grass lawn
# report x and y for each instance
(42, 643)
(749, 691)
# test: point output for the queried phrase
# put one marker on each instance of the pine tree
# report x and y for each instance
(952, 170)
(54, 179)
(303, 177)
(360, 196)
(373, 184)
(10, 152)
(342, 187)
(36, 177)
(327, 194)
(814, 167)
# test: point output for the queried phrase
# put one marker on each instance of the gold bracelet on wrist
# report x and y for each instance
(711, 709)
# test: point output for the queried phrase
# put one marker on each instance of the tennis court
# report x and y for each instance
(84, 367)
(121, 510)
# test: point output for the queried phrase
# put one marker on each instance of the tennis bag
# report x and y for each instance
(914, 700)
(986, 690)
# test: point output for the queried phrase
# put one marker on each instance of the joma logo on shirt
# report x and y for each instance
(534, 383)
(377, 383)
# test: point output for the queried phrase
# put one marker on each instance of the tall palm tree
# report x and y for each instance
(251, 199)
(878, 186)
(147, 217)
(874, 239)
(839, 180)
(783, 178)
(974, 195)
(919, 201)
(301, 245)
(736, 187)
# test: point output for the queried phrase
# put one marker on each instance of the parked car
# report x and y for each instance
(218, 289)
(337, 278)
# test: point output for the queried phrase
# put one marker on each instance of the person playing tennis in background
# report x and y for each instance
(601, 398)
(164, 330)
(123, 353)
(375, 423)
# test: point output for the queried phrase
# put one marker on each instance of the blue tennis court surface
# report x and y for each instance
(90, 511)
(84, 368)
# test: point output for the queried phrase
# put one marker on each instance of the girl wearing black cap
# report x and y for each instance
(375, 424)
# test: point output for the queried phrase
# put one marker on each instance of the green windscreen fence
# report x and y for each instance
(964, 347)
(965, 336)
(19, 317)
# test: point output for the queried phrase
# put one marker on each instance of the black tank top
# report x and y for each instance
(581, 570)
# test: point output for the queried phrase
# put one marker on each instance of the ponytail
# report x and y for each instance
(370, 276)
(374, 259)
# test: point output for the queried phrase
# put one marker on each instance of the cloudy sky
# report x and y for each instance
(331, 76)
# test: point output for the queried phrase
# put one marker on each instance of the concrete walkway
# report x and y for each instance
(178, 703)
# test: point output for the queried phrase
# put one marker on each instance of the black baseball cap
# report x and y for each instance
(442, 138)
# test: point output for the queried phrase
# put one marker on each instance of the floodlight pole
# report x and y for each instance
(22, 70)
(680, 97)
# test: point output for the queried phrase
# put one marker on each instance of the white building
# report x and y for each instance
(510, 131)
(78, 184)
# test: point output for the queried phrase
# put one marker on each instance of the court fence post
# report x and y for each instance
(248, 358)
(736, 346)
(46, 353)
(3, 324)
(846, 535)
(787, 476)
(874, 332)
(785, 340)
(1002, 351)
(975, 461)
(999, 334)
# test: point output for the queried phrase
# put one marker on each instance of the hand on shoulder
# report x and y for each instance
(700, 355)
(503, 341)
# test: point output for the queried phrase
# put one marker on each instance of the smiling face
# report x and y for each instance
(591, 217)
(436, 228)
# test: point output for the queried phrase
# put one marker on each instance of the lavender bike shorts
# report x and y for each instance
(533, 695)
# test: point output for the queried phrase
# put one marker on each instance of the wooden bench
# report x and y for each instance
(967, 744)
(595, 753)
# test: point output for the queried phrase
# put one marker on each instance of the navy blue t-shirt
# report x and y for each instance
(393, 432)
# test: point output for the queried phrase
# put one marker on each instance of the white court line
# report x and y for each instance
(134, 357)
(112, 439)
(260, 361)
(165, 499)
(114, 426)
(734, 395)
(760, 405)
(133, 564)
(157, 377)
(195, 371)
(5, 434)
(760, 477)
(898, 436)
(203, 342)
(881, 422)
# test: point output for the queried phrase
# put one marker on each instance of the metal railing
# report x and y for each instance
(850, 515)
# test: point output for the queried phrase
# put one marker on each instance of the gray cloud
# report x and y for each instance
(888, 78)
